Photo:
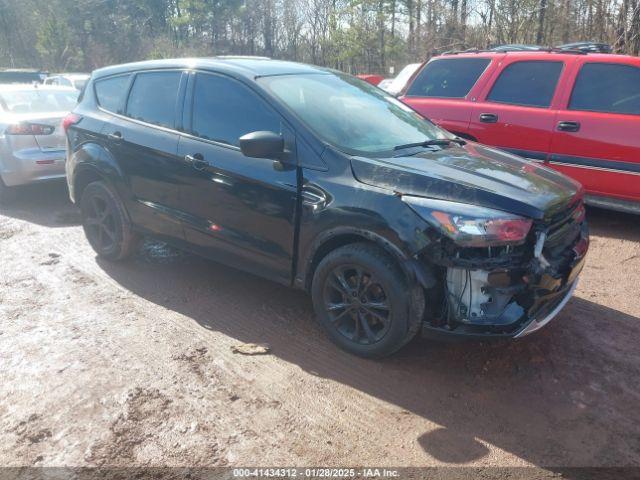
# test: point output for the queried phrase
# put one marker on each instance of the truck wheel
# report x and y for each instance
(361, 298)
(105, 222)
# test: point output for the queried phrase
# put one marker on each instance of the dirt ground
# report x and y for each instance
(131, 364)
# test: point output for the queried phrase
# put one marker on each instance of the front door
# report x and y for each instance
(597, 137)
(514, 113)
(241, 210)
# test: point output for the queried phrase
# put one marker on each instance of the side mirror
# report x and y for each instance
(262, 145)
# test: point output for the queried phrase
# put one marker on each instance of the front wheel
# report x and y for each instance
(105, 222)
(361, 298)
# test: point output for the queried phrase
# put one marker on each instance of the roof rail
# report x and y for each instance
(242, 57)
(577, 48)
(515, 47)
(586, 47)
(469, 50)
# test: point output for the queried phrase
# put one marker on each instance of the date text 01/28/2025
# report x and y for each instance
(316, 472)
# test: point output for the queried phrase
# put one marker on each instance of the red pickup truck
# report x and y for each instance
(578, 113)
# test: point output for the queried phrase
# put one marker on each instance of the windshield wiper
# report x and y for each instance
(428, 143)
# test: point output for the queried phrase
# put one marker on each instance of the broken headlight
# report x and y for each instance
(471, 225)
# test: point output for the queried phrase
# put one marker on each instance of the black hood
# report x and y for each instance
(472, 174)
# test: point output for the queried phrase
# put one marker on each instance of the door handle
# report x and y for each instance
(568, 126)
(197, 161)
(115, 136)
(488, 117)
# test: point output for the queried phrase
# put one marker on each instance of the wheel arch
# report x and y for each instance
(92, 162)
(336, 238)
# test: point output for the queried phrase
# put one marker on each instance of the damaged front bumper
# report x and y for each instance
(510, 293)
(541, 321)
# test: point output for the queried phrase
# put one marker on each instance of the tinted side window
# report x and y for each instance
(450, 78)
(603, 87)
(153, 98)
(224, 110)
(110, 92)
(527, 83)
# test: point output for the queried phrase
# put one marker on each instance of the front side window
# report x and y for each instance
(607, 87)
(350, 114)
(224, 110)
(111, 92)
(530, 83)
(153, 98)
(448, 78)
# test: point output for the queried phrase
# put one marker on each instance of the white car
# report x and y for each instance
(384, 84)
(397, 84)
(32, 140)
(75, 80)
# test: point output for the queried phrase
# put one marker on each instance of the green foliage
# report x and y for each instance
(359, 36)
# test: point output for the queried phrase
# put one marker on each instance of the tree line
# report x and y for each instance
(357, 36)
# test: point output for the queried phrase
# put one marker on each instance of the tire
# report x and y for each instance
(6, 193)
(384, 314)
(105, 222)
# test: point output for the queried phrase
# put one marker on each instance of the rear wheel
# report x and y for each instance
(6, 193)
(362, 300)
(105, 222)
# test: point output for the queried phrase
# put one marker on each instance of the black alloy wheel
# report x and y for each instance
(357, 304)
(105, 222)
(364, 302)
(100, 224)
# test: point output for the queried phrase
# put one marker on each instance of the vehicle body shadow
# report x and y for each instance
(551, 399)
(611, 224)
(45, 204)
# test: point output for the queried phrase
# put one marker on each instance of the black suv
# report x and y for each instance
(320, 181)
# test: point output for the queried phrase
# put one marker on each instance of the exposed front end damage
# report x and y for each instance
(506, 291)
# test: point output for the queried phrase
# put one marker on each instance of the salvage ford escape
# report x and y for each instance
(320, 181)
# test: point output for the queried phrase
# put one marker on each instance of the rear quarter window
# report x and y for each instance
(111, 92)
(528, 83)
(607, 87)
(448, 78)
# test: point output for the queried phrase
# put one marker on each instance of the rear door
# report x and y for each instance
(442, 91)
(597, 137)
(241, 210)
(144, 139)
(515, 110)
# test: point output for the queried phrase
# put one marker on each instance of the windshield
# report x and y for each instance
(38, 100)
(350, 114)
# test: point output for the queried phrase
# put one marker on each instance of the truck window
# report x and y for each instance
(529, 83)
(448, 78)
(607, 87)
(153, 98)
